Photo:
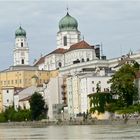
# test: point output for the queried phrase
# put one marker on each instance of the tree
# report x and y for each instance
(99, 102)
(37, 104)
(122, 85)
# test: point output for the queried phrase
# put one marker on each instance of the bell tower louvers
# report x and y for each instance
(21, 50)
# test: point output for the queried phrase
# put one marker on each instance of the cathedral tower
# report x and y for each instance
(68, 32)
(21, 50)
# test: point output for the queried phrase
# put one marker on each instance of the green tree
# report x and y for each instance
(37, 104)
(122, 85)
(99, 102)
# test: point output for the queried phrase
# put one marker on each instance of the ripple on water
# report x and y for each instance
(79, 132)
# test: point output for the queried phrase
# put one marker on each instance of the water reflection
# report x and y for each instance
(81, 132)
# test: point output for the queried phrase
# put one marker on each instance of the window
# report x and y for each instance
(21, 44)
(92, 82)
(87, 59)
(59, 64)
(7, 91)
(22, 61)
(83, 60)
(7, 100)
(93, 89)
(65, 41)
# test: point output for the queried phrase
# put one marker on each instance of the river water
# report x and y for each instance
(79, 132)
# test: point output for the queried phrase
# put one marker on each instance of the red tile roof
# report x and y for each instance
(58, 51)
(40, 61)
(80, 45)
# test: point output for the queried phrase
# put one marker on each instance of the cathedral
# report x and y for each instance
(71, 71)
(70, 48)
(72, 53)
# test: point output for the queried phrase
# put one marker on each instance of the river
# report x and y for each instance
(74, 132)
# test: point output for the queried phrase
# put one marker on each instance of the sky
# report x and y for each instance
(114, 23)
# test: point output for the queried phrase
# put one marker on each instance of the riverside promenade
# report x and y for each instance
(89, 122)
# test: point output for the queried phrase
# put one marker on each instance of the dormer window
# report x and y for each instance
(65, 41)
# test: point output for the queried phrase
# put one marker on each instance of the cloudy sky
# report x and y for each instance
(114, 23)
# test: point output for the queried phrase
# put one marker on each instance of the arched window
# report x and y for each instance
(65, 41)
(22, 61)
(21, 44)
(59, 64)
(83, 60)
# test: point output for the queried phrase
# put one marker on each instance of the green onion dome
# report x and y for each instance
(20, 32)
(68, 23)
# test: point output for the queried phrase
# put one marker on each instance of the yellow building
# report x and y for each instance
(20, 76)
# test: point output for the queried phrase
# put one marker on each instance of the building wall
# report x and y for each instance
(24, 104)
(88, 86)
(53, 94)
(82, 55)
(21, 78)
(52, 61)
(72, 38)
(21, 52)
(78, 89)
(73, 96)
(8, 97)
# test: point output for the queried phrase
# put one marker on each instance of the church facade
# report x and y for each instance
(73, 54)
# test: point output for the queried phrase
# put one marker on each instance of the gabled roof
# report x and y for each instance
(40, 61)
(58, 51)
(80, 45)
(25, 99)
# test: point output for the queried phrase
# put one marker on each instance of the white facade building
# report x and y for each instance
(8, 96)
(80, 86)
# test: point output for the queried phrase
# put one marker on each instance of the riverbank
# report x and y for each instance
(61, 123)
